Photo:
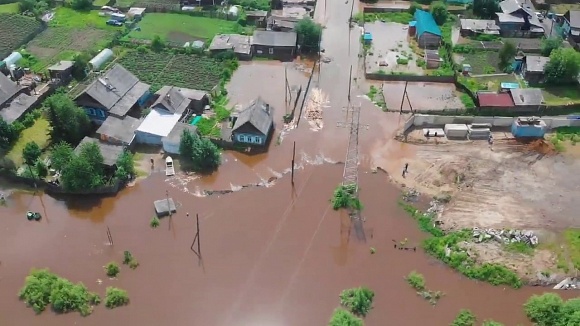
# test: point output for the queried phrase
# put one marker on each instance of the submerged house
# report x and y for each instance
(114, 94)
(254, 124)
(427, 32)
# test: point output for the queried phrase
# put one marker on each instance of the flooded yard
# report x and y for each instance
(390, 51)
(422, 96)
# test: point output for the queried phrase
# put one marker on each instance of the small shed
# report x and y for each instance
(533, 68)
(157, 124)
(110, 152)
(171, 142)
(527, 97)
(136, 13)
(456, 131)
(118, 131)
(61, 71)
(528, 127)
(432, 59)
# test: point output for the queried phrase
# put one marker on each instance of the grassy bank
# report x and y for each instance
(445, 247)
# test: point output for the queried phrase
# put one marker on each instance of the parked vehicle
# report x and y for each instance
(113, 22)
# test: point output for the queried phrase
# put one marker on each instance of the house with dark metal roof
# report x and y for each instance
(471, 27)
(516, 20)
(239, 44)
(181, 100)
(571, 25)
(274, 45)
(115, 93)
(117, 131)
(254, 124)
(61, 71)
(13, 102)
(427, 32)
(533, 68)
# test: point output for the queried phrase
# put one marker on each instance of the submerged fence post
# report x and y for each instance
(293, 157)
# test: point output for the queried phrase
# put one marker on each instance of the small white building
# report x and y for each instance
(135, 13)
(157, 124)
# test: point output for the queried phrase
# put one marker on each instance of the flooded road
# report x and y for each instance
(276, 256)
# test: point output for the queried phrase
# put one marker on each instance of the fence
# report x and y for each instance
(423, 120)
(410, 78)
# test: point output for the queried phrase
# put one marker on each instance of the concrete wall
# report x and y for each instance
(420, 120)
(410, 78)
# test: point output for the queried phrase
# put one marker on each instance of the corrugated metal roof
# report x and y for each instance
(426, 23)
(487, 99)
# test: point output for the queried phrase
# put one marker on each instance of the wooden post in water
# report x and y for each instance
(293, 158)
(198, 242)
(109, 236)
(168, 208)
(403, 99)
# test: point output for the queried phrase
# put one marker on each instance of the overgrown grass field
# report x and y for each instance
(482, 62)
(561, 95)
(177, 27)
(67, 17)
(9, 8)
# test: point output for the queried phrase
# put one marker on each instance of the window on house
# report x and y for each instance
(91, 111)
(271, 50)
(242, 138)
(257, 140)
(101, 113)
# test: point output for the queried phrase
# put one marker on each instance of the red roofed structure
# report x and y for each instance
(489, 99)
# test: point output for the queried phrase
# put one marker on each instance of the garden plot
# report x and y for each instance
(160, 69)
(482, 62)
(390, 51)
(178, 28)
(16, 29)
(56, 40)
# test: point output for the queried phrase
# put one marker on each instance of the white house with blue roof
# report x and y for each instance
(428, 33)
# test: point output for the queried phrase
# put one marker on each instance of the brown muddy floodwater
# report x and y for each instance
(271, 256)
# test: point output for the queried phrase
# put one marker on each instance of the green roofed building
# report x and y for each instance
(428, 33)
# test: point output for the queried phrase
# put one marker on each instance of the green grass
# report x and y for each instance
(561, 95)
(9, 8)
(37, 133)
(482, 62)
(467, 101)
(393, 17)
(494, 82)
(572, 239)
(170, 26)
(67, 17)
(100, 2)
(519, 247)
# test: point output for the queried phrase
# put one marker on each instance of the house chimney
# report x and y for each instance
(168, 97)
(268, 108)
(521, 97)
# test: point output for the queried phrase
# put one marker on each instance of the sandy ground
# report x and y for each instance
(511, 185)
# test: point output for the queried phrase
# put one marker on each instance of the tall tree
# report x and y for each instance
(92, 154)
(439, 12)
(186, 144)
(201, 153)
(564, 66)
(60, 155)
(79, 175)
(485, 8)
(30, 153)
(68, 122)
(550, 44)
(125, 166)
(309, 34)
(506, 55)
(8, 134)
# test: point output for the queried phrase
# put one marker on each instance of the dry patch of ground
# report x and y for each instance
(314, 107)
(510, 186)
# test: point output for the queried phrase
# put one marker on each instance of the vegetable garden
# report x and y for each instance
(16, 30)
(187, 71)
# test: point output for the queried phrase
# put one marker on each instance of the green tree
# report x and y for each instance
(186, 144)
(564, 66)
(412, 8)
(201, 153)
(485, 8)
(68, 122)
(506, 55)
(550, 44)
(112, 269)
(491, 323)
(125, 166)
(157, 43)
(81, 4)
(30, 153)
(115, 297)
(341, 317)
(439, 12)
(60, 155)
(358, 300)
(41, 169)
(545, 309)
(91, 152)
(309, 34)
(81, 62)
(83, 171)
(8, 135)
(464, 318)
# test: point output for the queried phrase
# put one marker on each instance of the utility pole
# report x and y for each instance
(286, 87)
(168, 208)
(403, 98)
(293, 157)
(196, 239)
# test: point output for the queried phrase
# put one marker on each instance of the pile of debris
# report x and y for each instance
(411, 195)
(313, 111)
(435, 207)
(505, 236)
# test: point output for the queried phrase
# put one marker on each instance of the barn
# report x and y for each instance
(428, 33)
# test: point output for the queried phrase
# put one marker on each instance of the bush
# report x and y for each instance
(341, 317)
(42, 288)
(464, 318)
(112, 269)
(41, 169)
(413, 7)
(128, 259)
(416, 280)
(115, 297)
(154, 222)
(439, 12)
(345, 197)
(359, 301)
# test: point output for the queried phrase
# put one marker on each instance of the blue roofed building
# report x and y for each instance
(428, 33)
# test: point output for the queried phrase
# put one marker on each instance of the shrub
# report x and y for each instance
(43, 287)
(154, 222)
(402, 61)
(115, 297)
(345, 197)
(416, 280)
(464, 318)
(41, 169)
(341, 317)
(112, 269)
(358, 300)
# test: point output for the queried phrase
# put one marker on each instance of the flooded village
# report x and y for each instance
(289, 163)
